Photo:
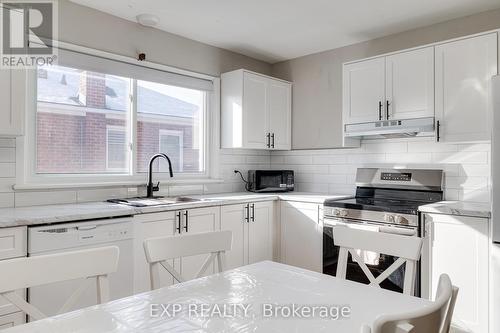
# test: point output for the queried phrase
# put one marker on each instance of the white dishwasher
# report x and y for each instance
(60, 238)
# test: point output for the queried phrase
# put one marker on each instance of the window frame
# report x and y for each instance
(27, 178)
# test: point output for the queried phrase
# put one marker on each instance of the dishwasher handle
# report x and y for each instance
(86, 227)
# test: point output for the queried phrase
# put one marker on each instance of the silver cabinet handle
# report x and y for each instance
(268, 140)
(387, 109)
(272, 138)
(253, 212)
(186, 221)
(247, 213)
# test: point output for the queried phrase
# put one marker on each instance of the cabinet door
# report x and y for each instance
(198, 220)
(364, 89)
(233, 218)
(301, 235)
(12, 320)
(260, 241)
(11, 101)
(459, 247)
(280, 114)
(149, 226)
(410, 84)
(255, 116)
(463, 74)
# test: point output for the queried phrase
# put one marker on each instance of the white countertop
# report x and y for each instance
(21, 216)
(461, 208)
(252, 286)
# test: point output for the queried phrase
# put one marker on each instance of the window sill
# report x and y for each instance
(49, 186)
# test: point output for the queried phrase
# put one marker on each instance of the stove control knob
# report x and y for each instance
(389, 218)
(335, 212)
(400, 219)
(343, 213)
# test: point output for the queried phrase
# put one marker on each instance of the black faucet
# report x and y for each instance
(151, 188)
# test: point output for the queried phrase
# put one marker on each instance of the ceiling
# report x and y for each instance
(276, 30)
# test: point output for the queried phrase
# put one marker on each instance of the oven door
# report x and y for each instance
(377, 263)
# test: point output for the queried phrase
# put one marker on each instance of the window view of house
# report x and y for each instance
(83, 123)
(170, 120)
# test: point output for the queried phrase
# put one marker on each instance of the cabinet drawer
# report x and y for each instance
(12, 320)
(13, 242)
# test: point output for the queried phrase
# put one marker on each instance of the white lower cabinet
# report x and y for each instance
(12, 320)
(149, 226)
(459, 247)
(195, 221)
(168, 224)
(13, 244)
(252, 227)
(302, 235)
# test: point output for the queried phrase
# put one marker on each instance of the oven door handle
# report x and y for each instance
(382, 228)
(398, 231)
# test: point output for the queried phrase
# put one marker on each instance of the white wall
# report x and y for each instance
(466, 167)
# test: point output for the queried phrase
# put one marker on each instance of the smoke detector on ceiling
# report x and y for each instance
(147, 20)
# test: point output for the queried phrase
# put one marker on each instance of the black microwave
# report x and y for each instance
(270, 180)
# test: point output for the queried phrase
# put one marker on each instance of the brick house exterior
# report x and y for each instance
(73, 138)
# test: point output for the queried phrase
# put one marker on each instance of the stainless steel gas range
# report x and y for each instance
(386, 200)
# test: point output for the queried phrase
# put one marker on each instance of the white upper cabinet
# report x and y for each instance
(463, 74)
(11, 102)
(410, 84)
(255, 120)
(256, 111)
(364, 91)
(399, 86)
(280, 116)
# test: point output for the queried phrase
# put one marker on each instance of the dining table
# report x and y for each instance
(261, 297)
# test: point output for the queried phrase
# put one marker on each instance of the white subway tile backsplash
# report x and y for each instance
(298, 159)
(403, 159)
(366, 158)
(7, 170)
(461, 157)
(8, 155)
(7, 142)
(385, 147)
(38, 198)
(466, 167)
(6, 200)
(88, 195)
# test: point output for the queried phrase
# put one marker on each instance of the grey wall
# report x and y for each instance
(88, 27)
(317, 78)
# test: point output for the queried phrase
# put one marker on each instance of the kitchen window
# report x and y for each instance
(99, 119)
(173, 142)
(116, 148)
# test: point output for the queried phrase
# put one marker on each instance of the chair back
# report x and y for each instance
(433, 318)
(161, 249)
(22, 273)
(406, 248)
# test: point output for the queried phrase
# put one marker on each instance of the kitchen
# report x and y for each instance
(402, 114)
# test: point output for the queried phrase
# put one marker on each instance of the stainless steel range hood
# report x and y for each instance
(391, 128)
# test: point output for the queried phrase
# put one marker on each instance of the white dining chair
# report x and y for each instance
(160, 250)
(406, 248)
(22, 273)
(434, 318)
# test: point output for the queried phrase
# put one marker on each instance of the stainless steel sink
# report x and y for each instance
(155, 201)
